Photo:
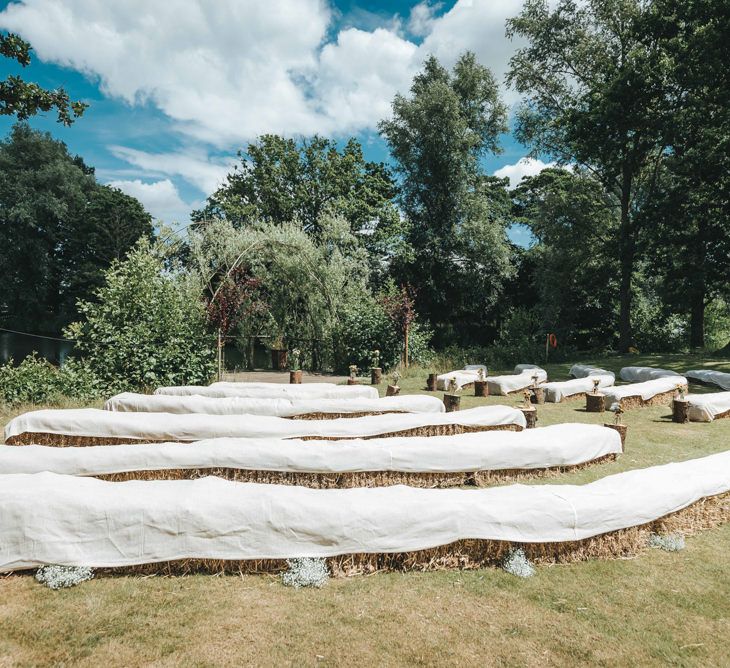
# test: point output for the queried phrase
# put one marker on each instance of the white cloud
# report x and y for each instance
(227, 71)
(194, 166)
(522, 168)
(160, 198)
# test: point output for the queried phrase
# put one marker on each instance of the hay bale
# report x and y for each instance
(636, 401)
(429, 430)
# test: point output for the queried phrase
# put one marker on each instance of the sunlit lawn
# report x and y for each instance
(657, 609)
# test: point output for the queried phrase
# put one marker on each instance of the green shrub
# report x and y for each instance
(147, 327)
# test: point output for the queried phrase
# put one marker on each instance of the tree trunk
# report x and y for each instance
(698, 289)
(627, 249)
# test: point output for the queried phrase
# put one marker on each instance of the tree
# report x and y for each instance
(145, 327)
(25, 99)
(596, 97)
(457, 253)
(59, 229)
(572, 219)
(281, 180)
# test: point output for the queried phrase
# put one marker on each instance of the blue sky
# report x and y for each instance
(176, 88)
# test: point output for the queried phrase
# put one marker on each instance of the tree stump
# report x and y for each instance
(392, 391)
(376, 376)
(481, 389)
(538, 395)
(680, 411)
(452, 401)
(595, 403)
(431, 382)
(530, 415)
(295, 377)
(621, 429)
(353, 381)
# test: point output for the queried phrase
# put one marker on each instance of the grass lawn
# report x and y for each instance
(657, 609)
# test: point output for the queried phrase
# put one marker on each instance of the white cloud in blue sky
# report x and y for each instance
(211, 76)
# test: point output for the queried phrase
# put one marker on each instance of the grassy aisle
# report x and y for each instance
(657, 609)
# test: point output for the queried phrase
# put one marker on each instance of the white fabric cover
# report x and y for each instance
(639, 374)
(465, 376)
(705, 407)
(162, 403)
(519, 381)
(583, 370)
(274, 391)
(557, 445)
(646, 390)
(557, 390)
(47, 518)
(196, 427)
(719, 378)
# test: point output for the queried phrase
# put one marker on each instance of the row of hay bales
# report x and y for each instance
(183, 452)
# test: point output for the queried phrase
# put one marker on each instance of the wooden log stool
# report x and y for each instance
(431, 382)
(595, 402)
(295, 377)
(680, 411)
(621, 429)
(452, 401)
(353, 381)
(530, 415)
(376, 376)
(392, 391)
(481, 389)
(537, 395)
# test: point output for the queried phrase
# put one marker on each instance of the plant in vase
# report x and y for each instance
(480, 375)
(295, 370)
(393, 388)
(596, 383)
(451, 398)
(376, 372)
(617, 413)
(352, 379)
(680, 392)
(527, 399)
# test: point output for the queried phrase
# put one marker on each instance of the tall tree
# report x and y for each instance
(59, 229)
(457, 254)
(24, 99)
(595, 96)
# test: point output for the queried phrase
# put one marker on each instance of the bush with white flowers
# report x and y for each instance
(306, 572)
(61, 577)
(671, 542)
(517, 563)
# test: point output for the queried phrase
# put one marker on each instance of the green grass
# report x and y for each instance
(657, 609)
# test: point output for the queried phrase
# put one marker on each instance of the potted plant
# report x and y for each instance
(393, 388)
(295, 371)
(451, 399)
(352, 380)
(528, 410)
(278, 353)
(618, 424)
(481, 389)
(376, 372)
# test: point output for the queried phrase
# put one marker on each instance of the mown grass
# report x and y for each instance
(657, 609)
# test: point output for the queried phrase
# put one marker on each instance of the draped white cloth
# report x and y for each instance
(557, 445)
(521, 379)
(274, 391)
(639, 374)
(719, 378)
(465, 376)
(197, 427)
(706, 407)
(162, 403)
(46, 518)
(645, 390)
(583, 370)
(556, 391)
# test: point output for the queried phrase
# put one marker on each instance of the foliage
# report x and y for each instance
(145, 327)
(517, 563)
(24, 99)
(37, 381)
(457, 254)
(62, 577)
(235, 297)
(306, 572)
(59, 230)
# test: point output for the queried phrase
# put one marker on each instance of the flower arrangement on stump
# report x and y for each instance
(295, 370)
(480, 384)
(352, 380)
(680, 392)
(618, 424)
(452, 399)
(596, 383)
(376, 372)
(393, 388)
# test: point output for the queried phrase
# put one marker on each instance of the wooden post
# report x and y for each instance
(431, 382)
(538, 395)
(452, 401)
(376, 376)
(353, 381)
(680, 411)
(295, 377)
(621, 429)
(595, 403)
(392, 391)
(481, 389)
(530, 415)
